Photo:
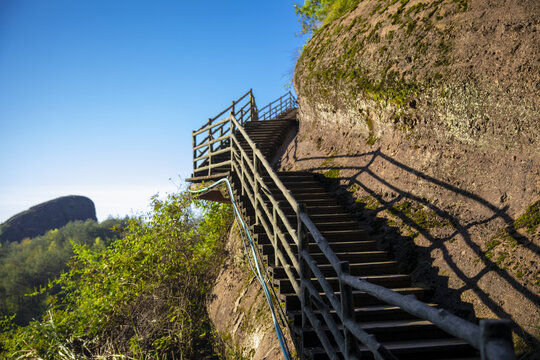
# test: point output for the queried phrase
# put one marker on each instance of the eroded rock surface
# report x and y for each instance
(425, 117)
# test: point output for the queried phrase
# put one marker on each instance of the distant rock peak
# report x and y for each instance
(46, 216)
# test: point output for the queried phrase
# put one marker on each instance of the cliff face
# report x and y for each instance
(447, 71)
(46, 216)
(426, 116)
(239, 311)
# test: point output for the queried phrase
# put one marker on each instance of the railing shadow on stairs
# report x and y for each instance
(222, 147)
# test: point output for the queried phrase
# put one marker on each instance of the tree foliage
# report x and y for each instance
(316, 13)
(32, 263)
(143, 296)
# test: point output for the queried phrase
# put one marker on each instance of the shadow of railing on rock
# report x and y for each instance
(437, 242)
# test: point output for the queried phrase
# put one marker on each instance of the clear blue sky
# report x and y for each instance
(99, 97)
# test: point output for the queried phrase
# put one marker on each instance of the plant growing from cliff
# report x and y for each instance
(316, 13)
(142, 297)
(530, 219)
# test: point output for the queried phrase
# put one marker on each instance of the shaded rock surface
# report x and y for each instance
(46, 216)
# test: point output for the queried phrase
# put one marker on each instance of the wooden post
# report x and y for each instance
(242, 172)
(291, 102)
(347, 312)
(255, 187)
(231, 127)
(253, 107)
(304, 272)
(275, 229)
(496, 340)
(210, 151)
(194, 142)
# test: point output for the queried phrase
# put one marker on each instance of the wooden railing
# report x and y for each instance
(213, 138)
(277, 107)
(256, 180)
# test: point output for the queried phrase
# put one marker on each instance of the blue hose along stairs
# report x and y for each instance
(344, 298)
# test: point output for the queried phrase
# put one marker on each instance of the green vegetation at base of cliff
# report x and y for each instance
(30, 264)
(141, 297)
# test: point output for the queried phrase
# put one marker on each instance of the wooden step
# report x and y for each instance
(312, 188)
(289, 178)
(267, 248)
(315, 210)
(354, 257)
(329, 235)
(365, 314)
(307, 199)
(393, 280)
(360, 298)
(429, 349)
(294, 185)
(356, 269)
(390, 330)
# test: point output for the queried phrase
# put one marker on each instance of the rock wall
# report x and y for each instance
(425, 117)
(239, 311)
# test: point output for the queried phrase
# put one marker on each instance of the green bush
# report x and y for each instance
(316, 13)
(30, 264)
(142, 297)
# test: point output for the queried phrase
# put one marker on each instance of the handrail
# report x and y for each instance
(257, 157)
(211, 120)
(492, 337)
(287, 101)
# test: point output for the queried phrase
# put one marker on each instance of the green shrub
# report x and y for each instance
(315, 13)
(142, 297)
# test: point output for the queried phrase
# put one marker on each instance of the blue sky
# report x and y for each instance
(99, 97)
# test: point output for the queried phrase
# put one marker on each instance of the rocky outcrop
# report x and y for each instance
(46, 216)
(427, 116)
(463, 71)
(238, 309)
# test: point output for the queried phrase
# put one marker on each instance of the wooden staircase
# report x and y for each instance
(406, 336)
(334, 253)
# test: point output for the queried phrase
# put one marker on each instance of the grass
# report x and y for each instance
(490, 245)
(530, 219)
(328, 162)
(508, 238)
(332, 174)
(371, 140)
(367, 202)
(418, 216)
(500, 259)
